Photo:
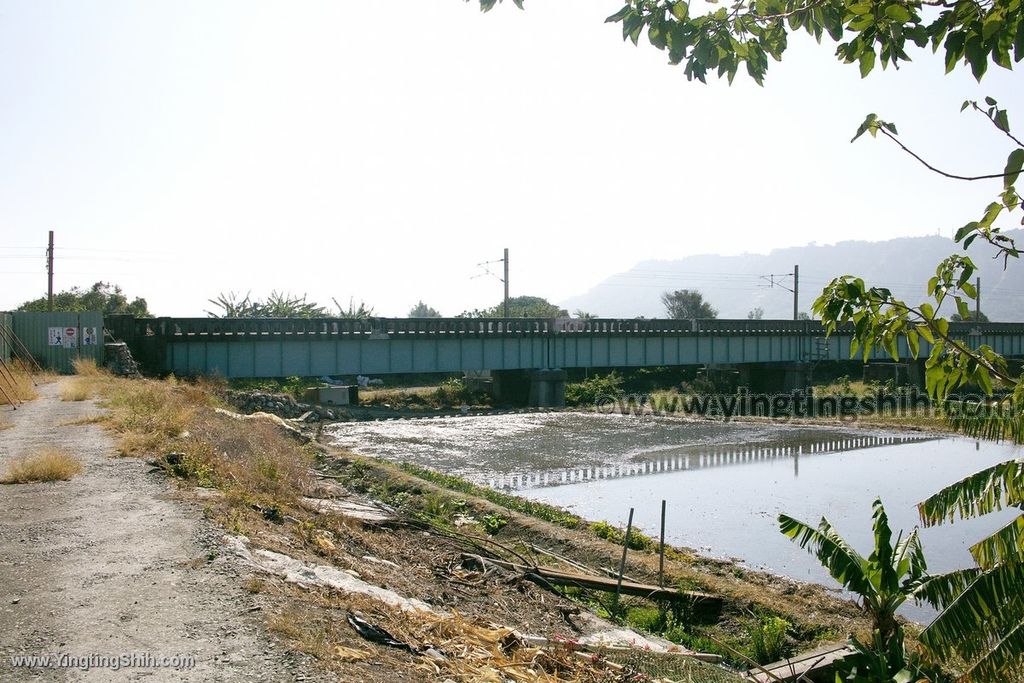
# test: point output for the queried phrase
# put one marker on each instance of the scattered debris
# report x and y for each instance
(366, 513)
(289, 429)
(119, 360)
(281, 405)
(805, 666)
(375, 634)
(545, 576)
(377, 560)
(309, 574)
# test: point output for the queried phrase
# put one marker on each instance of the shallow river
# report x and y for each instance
(724, 484)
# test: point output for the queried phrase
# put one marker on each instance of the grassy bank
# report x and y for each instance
(254, 479)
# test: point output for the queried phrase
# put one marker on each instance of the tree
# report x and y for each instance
(287, 305)
(231, 306)
(982, 617)
(867, 32)
(891, 575)
(973, 316)
(687, 304)
(983, 614)
(520, 307)
(756, 314)
(583, 315)
(102, 296)
(421, 310)
(277, 305)
(353, 312)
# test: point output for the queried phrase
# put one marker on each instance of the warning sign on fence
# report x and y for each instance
(88, 336)
(56, 336)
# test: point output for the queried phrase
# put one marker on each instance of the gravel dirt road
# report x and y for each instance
(113, 564)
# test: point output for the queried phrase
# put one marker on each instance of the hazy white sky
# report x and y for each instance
(381, 150)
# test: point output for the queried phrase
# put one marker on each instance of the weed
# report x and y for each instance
(76, 390)
(637, 540)
(84, 420)
(86, 367)
(493, 523)
(255, 585)
(592, 389)
(50, 464)
(768, 639)
(549, 513)
(21, 388)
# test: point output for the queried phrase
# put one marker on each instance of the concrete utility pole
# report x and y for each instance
(505, 280)
(49, 274)
(977, 300)
(796, 292)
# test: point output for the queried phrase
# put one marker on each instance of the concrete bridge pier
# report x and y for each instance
(547, 388)
(796, 376)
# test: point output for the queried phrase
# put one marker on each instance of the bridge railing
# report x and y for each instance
(444, 327)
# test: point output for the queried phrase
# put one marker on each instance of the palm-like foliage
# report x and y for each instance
(884, 580)
(982, 617)
(888, 577)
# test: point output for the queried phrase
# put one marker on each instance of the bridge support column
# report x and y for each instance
(511, 387)
(915, 372)
(547, 388)
(797, 376)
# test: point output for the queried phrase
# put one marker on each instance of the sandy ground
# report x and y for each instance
(111, 563)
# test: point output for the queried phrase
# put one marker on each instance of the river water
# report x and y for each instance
(724, 483)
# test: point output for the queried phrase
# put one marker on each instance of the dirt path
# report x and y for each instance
(110, 563)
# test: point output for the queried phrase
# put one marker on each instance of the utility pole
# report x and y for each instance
(505, 280)
(49, 274)
(796, 292)
(977, 300)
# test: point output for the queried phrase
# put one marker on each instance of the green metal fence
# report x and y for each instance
(5, 331)
(56, 340)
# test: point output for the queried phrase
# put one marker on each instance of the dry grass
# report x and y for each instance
(76, 390)
(86, 367)
(94, 418)
(16, 381)
(253, 461)
(50, 464)
(148, 415)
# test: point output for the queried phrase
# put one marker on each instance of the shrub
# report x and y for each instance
(50, 464)
(75, 390)
(768, 639)
(593, 389)
(86, 367)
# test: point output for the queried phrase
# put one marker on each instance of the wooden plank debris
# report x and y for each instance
(560, 578)
(801, 667)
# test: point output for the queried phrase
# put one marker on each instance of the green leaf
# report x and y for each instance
(983, 492)
(1002, 121)
(867, 63)
(620, 15)
(977, 56)
(843, 562)
(870, 122)
(962, 308)
(680, 10)
(1014, 163)
(898, 13)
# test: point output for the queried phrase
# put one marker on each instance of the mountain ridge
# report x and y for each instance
(736, 285)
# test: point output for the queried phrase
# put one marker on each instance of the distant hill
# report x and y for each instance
(737, 284)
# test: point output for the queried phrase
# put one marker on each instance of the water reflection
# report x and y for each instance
(722, 456)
